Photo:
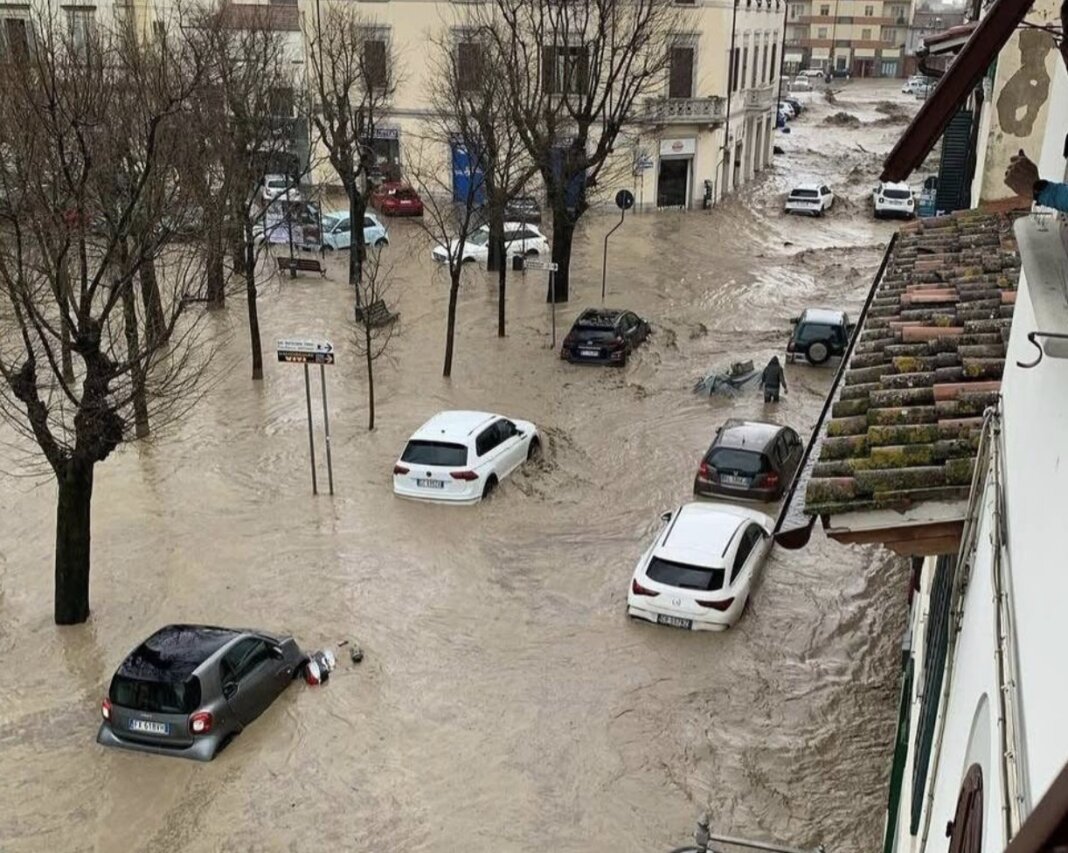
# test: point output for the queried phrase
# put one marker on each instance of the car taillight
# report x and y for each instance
(200, 723)
(704, 472)
(790, 347)
(400, 469)
(638, 589)
(105, 709)
(464, 475)
(717, 605)
(769, 480)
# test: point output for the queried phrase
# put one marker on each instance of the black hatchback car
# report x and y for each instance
(749, 460)
(604, 336)
(818, 334)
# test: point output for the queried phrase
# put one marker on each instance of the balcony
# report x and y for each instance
(760, 99)
(707, 111)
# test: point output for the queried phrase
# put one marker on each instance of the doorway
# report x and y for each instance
(673, 182)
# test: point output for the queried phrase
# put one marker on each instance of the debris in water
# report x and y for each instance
(841, 119)
(355, 653)
(738, 377)
(319, 666)
(777, 149)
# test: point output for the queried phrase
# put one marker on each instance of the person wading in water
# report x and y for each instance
(772, 377)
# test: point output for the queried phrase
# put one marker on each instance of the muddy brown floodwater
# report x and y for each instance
(506, 703)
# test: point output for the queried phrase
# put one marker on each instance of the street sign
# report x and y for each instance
(624, 199)
(643, 162)
(306, 352)
(533, 264)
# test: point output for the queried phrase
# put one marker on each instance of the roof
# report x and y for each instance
(949, 40)
(454, 424)
(752, 435)
(823, 315)
(928, 359)
(968, 68)
(276, 16)
(699, 535)
(174, 652)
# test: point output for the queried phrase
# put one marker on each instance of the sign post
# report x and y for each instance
(535, 264)
(305, 353)
(624, 201)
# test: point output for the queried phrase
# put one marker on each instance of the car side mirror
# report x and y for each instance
(229, 689)
(277, 653)
(666, 516)
(794, 321)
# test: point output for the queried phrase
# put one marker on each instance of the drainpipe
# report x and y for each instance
(730, 87)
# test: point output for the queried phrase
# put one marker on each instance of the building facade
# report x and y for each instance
(865, 38)
(928, 20)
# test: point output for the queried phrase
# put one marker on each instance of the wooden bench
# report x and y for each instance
(377, 314)
(301, 265)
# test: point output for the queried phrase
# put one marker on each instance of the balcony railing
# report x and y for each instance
(683, 110)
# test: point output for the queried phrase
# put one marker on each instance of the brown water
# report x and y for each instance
(506, 703)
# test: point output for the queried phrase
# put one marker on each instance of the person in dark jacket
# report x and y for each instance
(772, 377)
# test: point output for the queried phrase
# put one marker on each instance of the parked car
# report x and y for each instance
(922, 90)
(811, 73)
(188, 690)
(337, 234)
(749, 460)
(461, 457)
(913, 83)
(523, 209)
(818, 334)
(801, 84)
(604, 336)
(787, 109)
(277, 187)
(394, 198)
(699, 571)
(813, 199)
(893, 199)
(519, 239)
(796, 103)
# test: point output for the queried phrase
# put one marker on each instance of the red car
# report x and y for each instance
(396, 199)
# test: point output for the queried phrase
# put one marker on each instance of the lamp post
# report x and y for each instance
(624, 201)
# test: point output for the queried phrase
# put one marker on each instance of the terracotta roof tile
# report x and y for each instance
(927, 362)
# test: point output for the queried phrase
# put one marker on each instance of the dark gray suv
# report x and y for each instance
(189, 689)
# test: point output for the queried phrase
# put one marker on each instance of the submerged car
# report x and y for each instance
(460, 457)
(337, 232)
(818, 334)
(812, 199)
(188, 690)
(698, 573)
(893, 199)
(394, 198)
(519, 239)
(604, 336)
(749, 460)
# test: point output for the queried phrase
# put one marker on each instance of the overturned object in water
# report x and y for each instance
(740, 376)
(319, 666)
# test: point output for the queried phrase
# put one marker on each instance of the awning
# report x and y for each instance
(960, 79)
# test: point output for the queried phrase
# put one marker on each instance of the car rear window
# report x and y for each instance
(897, 193)
(595, 332)
(435, 453)
(685, 576)
(804, 194)
(405, 192)
(158, 697)
(809, 332)
(732, 459)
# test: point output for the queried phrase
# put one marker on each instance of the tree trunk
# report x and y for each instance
(63, 280)
(155, 323)
(502, 275)
(495, 260)
(253, 314)
(370, 376)
(357, 249)
(563, 235)
(72, 542)
(216, 275)
(237, 250)
(137, 368)
(450, 328)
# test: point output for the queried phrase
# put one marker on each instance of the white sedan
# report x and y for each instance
(519, 239)
(698, 572)
(810, 198)
(460, 457)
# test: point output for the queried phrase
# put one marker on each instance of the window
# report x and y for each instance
(80, 24)
(825, 11)
(14, 35)
(680, 80)
(685, 576)
(468, 65)
(243, 659)
(374, 63)
(344, 226)
(795, 10)
(745, 64)
(743, 462)
(442, 453)
(869, 11)
(756, 50)
(745, 548)
(368, 222)
(282, 102)
(159, 30)
(821, 33)
(156, 697)
(734, 70)
(774, 58)
(565, 69)
(492, 436)
(889, 36)
(764, 64)
(865, 34)
(965, 831)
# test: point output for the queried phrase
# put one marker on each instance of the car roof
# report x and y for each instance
(895, 185)
(455, 425)
(806, 186)
(750, 435)
(601, 316)
(700, 533)
(830, 316)
(174, 652)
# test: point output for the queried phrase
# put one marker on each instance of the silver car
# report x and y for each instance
(188, 690)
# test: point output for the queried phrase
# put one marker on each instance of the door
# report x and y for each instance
(371, 231)
(672, 182)
(490, 453)
(513, 452)
(342, 234)
(794, 451)
(251, 678)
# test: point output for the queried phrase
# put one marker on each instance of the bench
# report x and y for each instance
(301, 265)
(377, 314)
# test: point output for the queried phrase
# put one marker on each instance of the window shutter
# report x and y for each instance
(548, 68)
(680, 84)
(468, 65)
(374, 61)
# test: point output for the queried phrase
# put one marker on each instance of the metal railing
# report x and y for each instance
(700, 110)
(704, 839)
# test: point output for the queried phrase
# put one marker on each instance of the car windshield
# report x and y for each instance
(739, 461)
(804, 194)
(684, 576)
(277, 184)
(892, 193)
(330, 221)
(435, 453)
(479, 238)
(158, 697)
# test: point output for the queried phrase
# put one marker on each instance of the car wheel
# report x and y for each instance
(534, 450)
(382, 241)
(489, 488)
(327, 247)
(468, 260)
(818, 352)
(532, 253)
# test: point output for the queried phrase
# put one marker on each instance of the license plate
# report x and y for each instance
(674, 621)
(148, 727)
(430, 484)
(730, 480)
(589, 353)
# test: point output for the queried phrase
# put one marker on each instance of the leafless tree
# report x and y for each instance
(91, 130)
(574, 73)
(376, 321)
(354, 74)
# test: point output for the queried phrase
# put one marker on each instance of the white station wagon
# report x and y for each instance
(460, 457)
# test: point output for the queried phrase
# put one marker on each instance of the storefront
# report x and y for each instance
(675, 172)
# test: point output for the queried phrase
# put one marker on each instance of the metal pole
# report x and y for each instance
(311, 435)
(604, 259)
(289, 229)
(326, 426)
(552, 290)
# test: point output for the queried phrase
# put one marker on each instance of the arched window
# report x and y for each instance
(966, 831)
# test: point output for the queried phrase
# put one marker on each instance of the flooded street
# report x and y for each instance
(506, 703)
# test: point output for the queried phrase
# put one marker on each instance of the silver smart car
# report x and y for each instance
(189, 689)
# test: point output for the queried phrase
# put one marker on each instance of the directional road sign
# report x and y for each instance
(306, 352)
(532, 264)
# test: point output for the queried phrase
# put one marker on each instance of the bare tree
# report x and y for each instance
(354, 76)
(376, 321)
(573, 73)
(90, 131)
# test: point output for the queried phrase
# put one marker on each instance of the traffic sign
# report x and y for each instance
(305, 352)
(533, 264)
(624, 199)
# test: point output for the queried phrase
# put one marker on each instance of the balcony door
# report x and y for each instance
(680, 79)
